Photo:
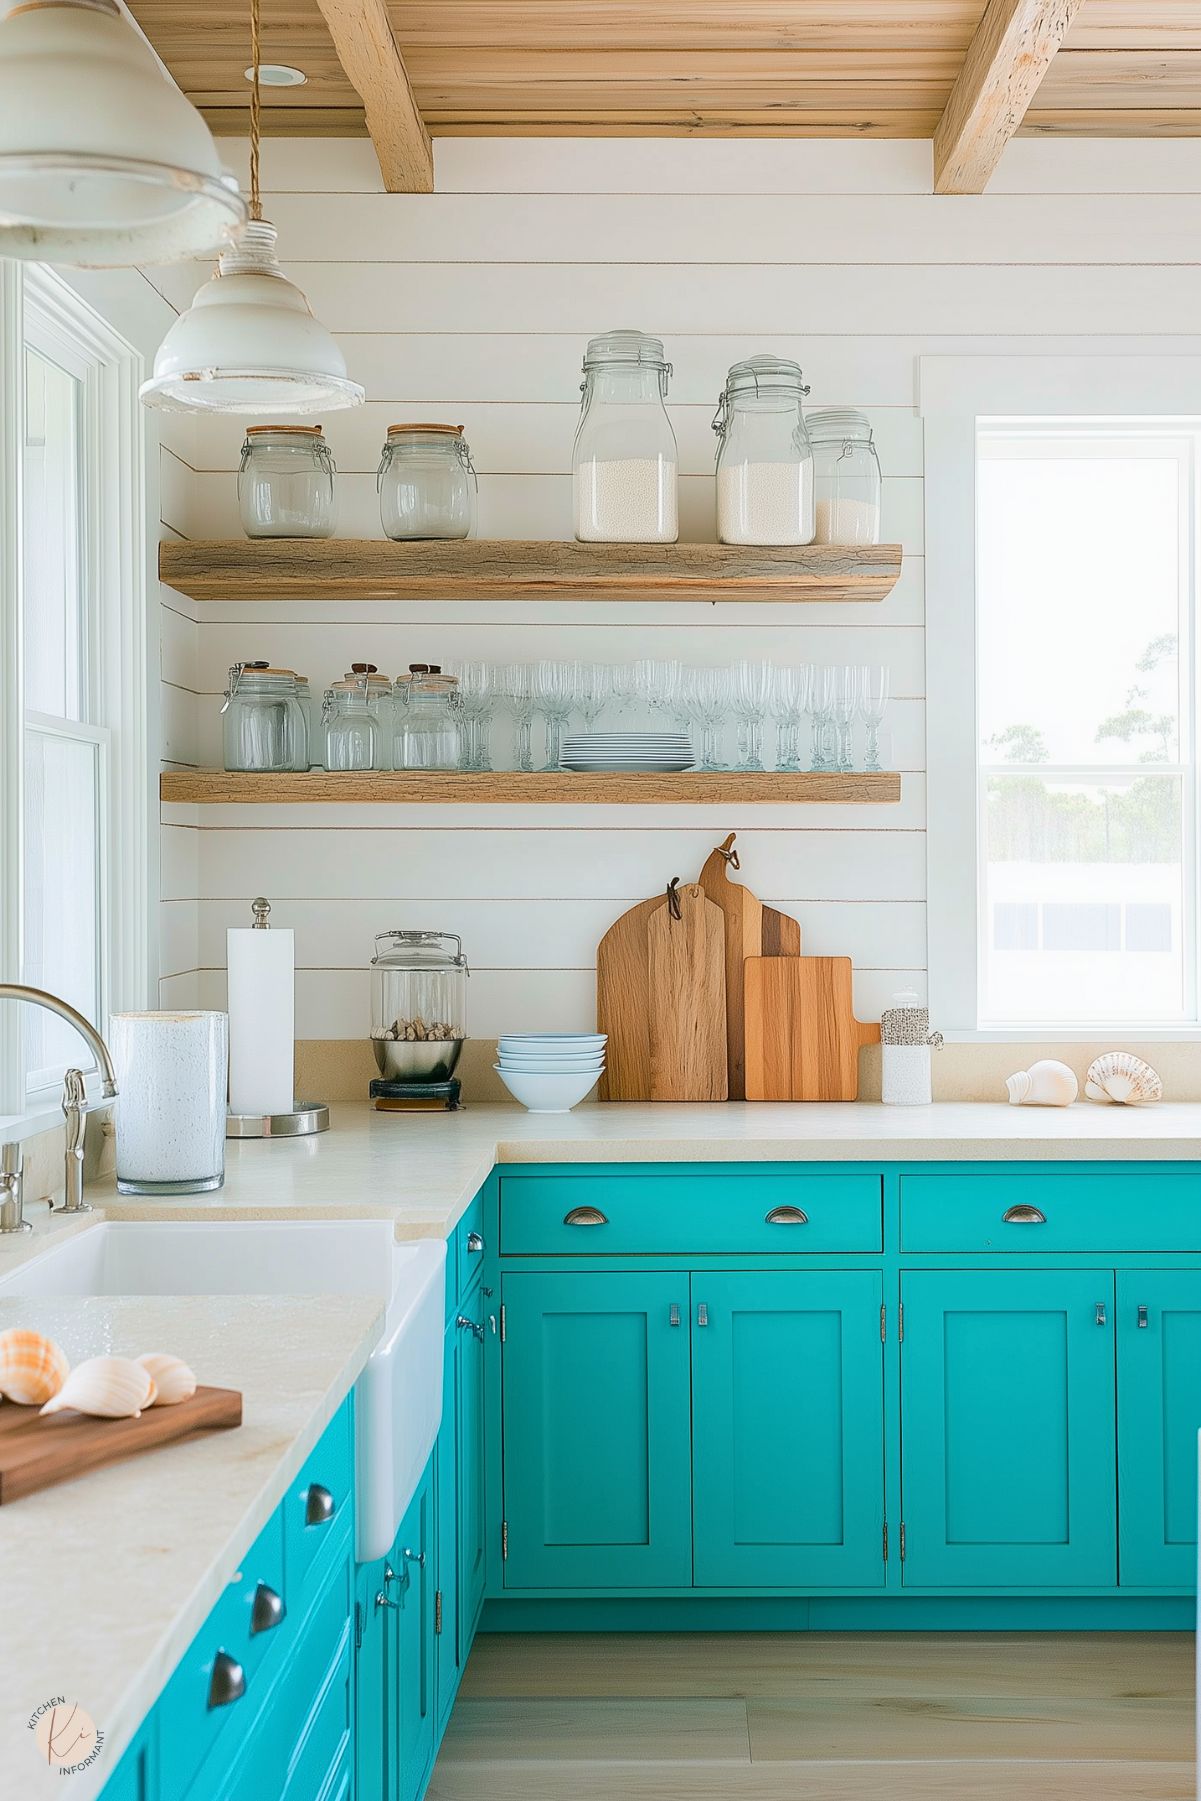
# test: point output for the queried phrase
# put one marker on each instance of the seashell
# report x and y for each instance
(1045, 1084)
(173, 1380)
(1123, 1077)
(32, 1368)
(111, 1388)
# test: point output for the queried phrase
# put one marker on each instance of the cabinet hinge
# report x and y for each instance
(502, 1322)
(504, 1540)
(886, 1541)
(437, 1610)
(901, 1323)
(358, 1626)
(883, 1324)
(902, 1541)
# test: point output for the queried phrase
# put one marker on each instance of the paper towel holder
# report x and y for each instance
(305, 1117)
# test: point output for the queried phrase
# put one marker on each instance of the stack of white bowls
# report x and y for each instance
(549, 1072)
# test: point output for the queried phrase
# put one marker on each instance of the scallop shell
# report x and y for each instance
(1045, 1084)
(112, 1388)
(32, 1368)
(1123, 1077)
(173, 1380)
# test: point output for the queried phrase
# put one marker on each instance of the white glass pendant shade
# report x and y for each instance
(103, 161)
(249, 344)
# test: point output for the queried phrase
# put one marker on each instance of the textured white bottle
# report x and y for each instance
(262, 1019)
(170, 1109)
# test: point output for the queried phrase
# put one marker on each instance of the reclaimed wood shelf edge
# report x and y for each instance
(218, 787)
(508, 568)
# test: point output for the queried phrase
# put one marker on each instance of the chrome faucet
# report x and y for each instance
(12, 1167)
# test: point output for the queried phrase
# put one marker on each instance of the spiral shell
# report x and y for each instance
(112, 1388)
(173, 1380)
(1045, 1084)
(1123, 1077)
(32, 1368)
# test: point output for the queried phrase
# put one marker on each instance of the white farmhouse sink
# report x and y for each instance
(398, 1400)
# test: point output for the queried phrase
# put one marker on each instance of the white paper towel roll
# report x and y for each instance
(262, 1019)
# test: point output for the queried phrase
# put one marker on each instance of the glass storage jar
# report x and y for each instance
(286, 482)
(846, 475)
(625, 465)
(418, 1005)
(764, 461)
(263, 726)
(426, 729)
(350, 734)
(378, 690)
(427, 483)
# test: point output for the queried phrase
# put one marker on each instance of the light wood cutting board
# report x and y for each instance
(686, 956)
(35, 1453)
(802, 1037)
(623, 1004)
(751, 930)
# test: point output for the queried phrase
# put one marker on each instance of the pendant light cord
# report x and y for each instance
(256, 204)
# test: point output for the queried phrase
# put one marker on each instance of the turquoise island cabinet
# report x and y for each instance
(781, 1395)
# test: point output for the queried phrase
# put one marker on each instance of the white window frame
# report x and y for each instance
(115, 564)
(955, 394)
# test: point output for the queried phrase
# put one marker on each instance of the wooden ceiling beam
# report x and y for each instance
(374, 67)
(1012, 50)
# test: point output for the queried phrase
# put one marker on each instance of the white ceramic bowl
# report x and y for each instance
(555, 1041)
(550, 1066)
(547, 1093)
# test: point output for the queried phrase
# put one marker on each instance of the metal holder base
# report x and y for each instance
(415, 1097)
(307, 1117)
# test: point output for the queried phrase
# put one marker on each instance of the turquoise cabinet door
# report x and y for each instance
(374, 1684)
(1159, 1415)
(788, 1430)
(1007, 1429)
(446, 1560)
(415, 1673)
(469, 1426)
(596, 1431)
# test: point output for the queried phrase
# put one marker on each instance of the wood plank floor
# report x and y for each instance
(823, 1717)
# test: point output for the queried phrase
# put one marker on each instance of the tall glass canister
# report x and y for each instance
(426, 720)
(764, 461)
(846, 477)
(625, 465)
(418, 1005)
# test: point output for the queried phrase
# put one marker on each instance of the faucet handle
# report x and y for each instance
(75, 1106)
(12, 1191)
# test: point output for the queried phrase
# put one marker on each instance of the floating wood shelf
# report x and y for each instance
(511, 568)
(507, 788)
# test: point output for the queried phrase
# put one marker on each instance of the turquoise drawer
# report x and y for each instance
(318, 1505)
(1015, 1214)
(599, 1213)
(470, 1246)
(191, 1717)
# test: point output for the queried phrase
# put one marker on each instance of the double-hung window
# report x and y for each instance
(72, 803)
(1062, 695)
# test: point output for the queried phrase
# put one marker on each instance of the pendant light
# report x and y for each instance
(103, 161)
(249, 343)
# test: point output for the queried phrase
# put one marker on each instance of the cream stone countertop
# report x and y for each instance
(105, 1581)
(423, 1169)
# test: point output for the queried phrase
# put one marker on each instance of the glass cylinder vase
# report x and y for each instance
(172, 1074)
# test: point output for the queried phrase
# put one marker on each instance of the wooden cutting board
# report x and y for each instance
(687, 965)
(802, 1037)
(623, 1004)
(751, 930)
(36, 1453)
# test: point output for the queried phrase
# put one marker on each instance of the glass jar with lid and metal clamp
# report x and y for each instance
(263, 722)
(286, 482)
(764, 459)
(427, 483)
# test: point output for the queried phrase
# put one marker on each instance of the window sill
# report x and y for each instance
(1123, 1034)
(39, 1117)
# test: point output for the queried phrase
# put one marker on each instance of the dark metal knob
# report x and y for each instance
(268, 1610)
(228, 1681)
(320, 1506)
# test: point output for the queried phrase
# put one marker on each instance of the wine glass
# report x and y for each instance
(753, 685)
(825, 689)
(846, 705)
(791, 700)
(709, 694)
(874, 687)
(477, 688)
(553, 692)
(517, 692)
(593, 687)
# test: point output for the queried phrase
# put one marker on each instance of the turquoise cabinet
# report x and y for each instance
(414, 1667)
(1159, 1415)
(1007, 1429)
(448, 1660)
(597, 1454)
(470, 1439)
(375, 1753)
(788, 1429)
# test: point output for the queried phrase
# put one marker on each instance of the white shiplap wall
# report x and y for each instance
(474, 305)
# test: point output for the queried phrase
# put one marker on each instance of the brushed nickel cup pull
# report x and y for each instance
(786, 1216)
(228, 1681)
(268, 1611)
(319, 1506)
(585, 1216)
(1023, 1215)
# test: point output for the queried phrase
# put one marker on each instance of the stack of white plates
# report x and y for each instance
(661, 752)
(548, 1072)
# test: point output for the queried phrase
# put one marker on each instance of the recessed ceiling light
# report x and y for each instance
(277, 75)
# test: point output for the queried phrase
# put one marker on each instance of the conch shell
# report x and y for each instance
(32, 1368)
(112, 1388)
(1121, 1076)
(1044, 1084)
(173, 1380)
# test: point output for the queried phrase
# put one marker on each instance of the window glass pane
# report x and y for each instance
(50, 550)
(61, 924)
(1083, 908)
(1082, 558)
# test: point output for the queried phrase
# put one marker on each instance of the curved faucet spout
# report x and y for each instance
(39, 997)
